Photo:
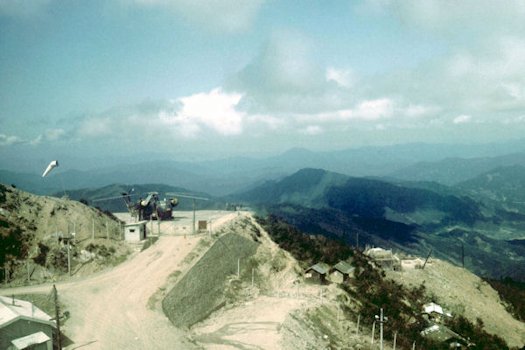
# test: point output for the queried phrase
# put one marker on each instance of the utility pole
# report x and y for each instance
(193, 232)
(57, 317)
(69, 256)
(462, 255)
(381, 319)
(428, 257)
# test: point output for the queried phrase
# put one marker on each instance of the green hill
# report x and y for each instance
(410, 217)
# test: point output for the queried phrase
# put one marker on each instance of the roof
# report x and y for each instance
(344, 267)
(32, 339)
(433, 307)
(320, 268)
(440, 333)
(21, 309)
(138, 223)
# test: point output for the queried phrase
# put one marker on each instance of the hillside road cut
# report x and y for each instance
(109, 310)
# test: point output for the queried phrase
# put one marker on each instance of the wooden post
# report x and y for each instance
(373, 331)
(358, 320)
(193, 232)
(395, 341)
(381, 321)
(238, 267)
(69, 256)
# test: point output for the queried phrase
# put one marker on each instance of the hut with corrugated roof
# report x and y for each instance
(343, 268)
(317, 272)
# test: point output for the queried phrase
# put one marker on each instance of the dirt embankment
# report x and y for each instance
(201, 290)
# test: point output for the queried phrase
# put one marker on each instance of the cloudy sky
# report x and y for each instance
(194, 79)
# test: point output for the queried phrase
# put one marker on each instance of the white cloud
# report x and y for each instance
(456, 18)
(215, 110)
(343, 78)
(462, 119)
(48, 135)
(312, 130)
(417, 111)
(8, 140)
(95, 127)
(286, 78)
(213, 15)
(374, 109)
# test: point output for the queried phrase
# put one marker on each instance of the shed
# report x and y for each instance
(435, 312)
(24, 326)
(444, 335)
(318, 271)
(135, 231)
(344, 268)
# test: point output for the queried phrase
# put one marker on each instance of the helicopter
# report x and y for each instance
(150, 207)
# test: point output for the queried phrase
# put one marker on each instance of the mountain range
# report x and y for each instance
(445, 164)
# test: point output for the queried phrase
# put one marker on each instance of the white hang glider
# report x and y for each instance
(50, 167)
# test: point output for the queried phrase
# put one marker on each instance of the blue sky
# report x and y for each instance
(209, 79)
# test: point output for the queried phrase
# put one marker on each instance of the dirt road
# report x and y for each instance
(110, 310)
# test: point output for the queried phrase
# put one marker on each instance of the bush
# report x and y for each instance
(307, 249)
(41, 258)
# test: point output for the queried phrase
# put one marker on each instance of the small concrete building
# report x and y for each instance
(317, 272)
(344, 268)
(24, 326)
(135, 231)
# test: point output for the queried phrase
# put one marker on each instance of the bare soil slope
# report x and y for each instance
(38, 224)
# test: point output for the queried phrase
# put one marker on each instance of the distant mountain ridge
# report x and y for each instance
(451, 171)
(446, 164)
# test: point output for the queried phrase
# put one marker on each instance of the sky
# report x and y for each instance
(192, 80)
